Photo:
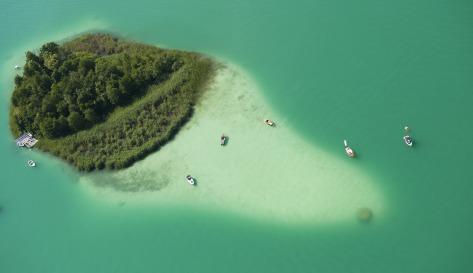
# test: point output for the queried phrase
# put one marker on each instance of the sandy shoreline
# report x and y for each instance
(263, 172)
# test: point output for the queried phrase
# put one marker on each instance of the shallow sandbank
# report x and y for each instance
(262, 172)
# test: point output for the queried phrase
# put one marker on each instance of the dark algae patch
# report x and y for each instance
(102, 102)
(365, 215)
(135, 181)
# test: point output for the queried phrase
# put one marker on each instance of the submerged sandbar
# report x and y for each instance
(263, 172)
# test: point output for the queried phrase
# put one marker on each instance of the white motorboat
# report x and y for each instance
(190, 179)
(31, 163)
(223, 140)
(269, 122)
(349, 151)
(17, 67)
(407, 139)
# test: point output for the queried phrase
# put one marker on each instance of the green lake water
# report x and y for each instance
(360, 70)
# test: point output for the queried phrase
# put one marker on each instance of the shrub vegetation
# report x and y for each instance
(101, 102)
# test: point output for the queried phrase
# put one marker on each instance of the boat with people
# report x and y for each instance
(349, 151)
(31, 163)
(190, 179)
(223, 140)
(269, 122)
(407, 139)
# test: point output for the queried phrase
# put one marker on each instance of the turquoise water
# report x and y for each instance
(333, 69)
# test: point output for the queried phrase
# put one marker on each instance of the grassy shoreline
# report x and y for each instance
(133, 130)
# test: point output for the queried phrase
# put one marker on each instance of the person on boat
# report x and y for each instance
(269, 122)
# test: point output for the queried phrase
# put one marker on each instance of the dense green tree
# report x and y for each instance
(18, 79)
(91, 116)
(86, 64)
(47, 127)
(51, 48)
(76, 121)
(113, 94)
(100, 102)
(31, 57)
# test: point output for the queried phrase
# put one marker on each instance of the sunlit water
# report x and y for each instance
(327, 70)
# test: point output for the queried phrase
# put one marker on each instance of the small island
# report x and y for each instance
(98, 101)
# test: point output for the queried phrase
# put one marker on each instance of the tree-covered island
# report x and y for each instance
(98, 101)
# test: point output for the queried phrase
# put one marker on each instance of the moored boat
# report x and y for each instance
(190, 179)
(223, 140)
(17, 67)
(407, 139)
(269, 122)
(349, 151)
(31, 163)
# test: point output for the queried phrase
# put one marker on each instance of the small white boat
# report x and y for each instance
(269, 122)
(190, 179)
(31, 163)
(17, 67)
(223, 140)
(349, 151)
(407, 139)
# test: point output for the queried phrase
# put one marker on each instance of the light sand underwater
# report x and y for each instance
(262, 172)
